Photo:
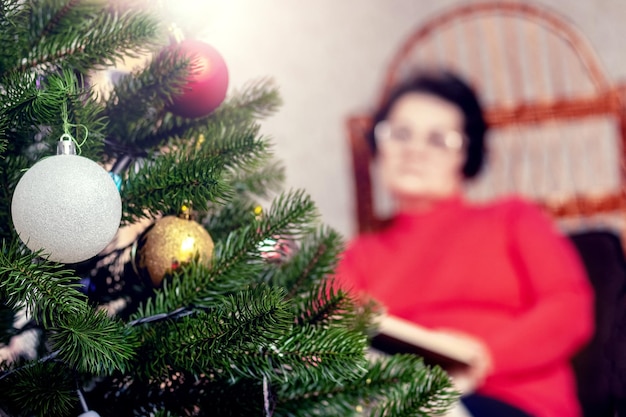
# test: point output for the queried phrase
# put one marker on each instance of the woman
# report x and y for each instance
(496, 275)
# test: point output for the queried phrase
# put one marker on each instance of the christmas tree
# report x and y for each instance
(246, 322)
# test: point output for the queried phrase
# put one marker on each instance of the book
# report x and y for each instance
(396, 335)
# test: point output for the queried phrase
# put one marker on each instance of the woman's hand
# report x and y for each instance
(469, 378)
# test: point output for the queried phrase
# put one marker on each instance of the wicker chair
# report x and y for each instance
(558, 131)
(557, 123)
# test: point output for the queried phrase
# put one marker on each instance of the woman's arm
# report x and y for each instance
(559, 317)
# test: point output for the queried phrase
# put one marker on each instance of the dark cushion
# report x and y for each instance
(600, 366)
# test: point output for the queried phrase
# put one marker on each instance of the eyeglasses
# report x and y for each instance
(400, 136)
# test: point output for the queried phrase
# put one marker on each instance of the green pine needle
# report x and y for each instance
(310, 354)
(255, 100)
(83, 35)
(313, 262)
(261, 182)
(138, 99)
(44, 289)
(31, 391)
(327, 307)
(93, 343)
(171, 181)
(200, 342)
(394, 386)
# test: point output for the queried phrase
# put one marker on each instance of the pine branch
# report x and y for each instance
(164, 413)
(389, 383)
(30, 392)
(241, 109)
(11, 169)
(8, 9)
(409, 388)
(87, 340)
(85, 115)
(236, 261)
(187, 288)
(163, 186)
(422, 397)
(27, 106)
(199, 343)
(261, 182)
(306, 353)
(191, 175)
(53, 23)
(239, 147)
(138, 99)
(14, 24)
(221, 220)
(315, 261)
(4, 141)
(19, 99)
(83, 35)
(291, 215)
(301, 354)
(256, 100)
(43, 288)
(325, 307)
(94, 343)
(248, 185)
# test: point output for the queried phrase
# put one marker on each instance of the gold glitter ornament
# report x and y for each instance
(170, 242)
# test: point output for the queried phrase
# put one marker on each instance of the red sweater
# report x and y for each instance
(500, 272)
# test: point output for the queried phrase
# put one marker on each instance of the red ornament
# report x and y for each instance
(207, 82)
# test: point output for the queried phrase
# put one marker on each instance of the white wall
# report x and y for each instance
(328, 57)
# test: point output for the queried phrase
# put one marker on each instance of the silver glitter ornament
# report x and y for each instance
(67, 206)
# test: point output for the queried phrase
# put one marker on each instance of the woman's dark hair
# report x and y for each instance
(452, 89)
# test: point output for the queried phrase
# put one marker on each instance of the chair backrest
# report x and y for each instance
(599, 366)
(557, 124)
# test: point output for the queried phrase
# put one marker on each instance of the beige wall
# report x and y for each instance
(328, 58)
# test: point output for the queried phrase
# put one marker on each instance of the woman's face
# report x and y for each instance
(421, 148)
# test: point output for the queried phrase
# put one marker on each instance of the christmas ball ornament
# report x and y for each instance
(67, 206)
(207, 81)
(277, 249)
(89, 414)
(170, 242)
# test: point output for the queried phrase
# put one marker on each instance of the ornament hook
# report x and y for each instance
(67, 143)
